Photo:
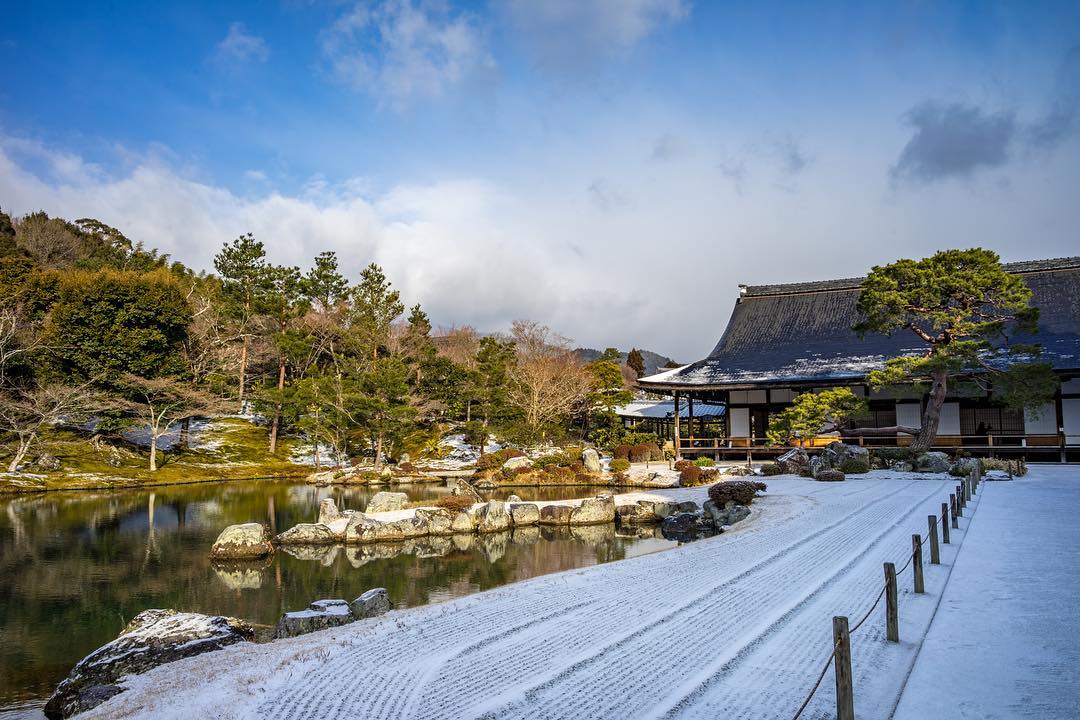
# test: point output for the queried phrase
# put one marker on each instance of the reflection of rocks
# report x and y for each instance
(640, 532)
(320, 615)
(463, 542)
(249, 540)
(386, 501)
(593, 534)
(525, 535)
(240, 575)
(323, 554)
(524, 514)
(592, 511)
(493, 545)
(153, 638)
(307, 534)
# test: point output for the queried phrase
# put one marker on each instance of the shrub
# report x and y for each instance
(741, 492)
(829, 475)
(640, 453)
(622, 452)
(704, 462)
(709, 474)
(681, 465)
(770, 469)
(454, 502)
(1016, 467)
(496, 459)
(620, 465)
(851, 466)
(562, 458)
(890, 454)
(690, 476)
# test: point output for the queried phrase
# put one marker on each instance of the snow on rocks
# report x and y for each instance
(492, 517)
(387, 502)
(249, 540)
(153, 638)
(324, 614)
(374, 602)
(593, 511)
(307, 534)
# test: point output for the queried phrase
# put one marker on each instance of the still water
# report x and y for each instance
(76, 567)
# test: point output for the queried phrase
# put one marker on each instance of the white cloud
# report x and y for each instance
(401, 51)
(239, 46)
(571, 37)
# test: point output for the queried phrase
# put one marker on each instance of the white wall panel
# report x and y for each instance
(1042, 421)
(949, 424)
(909, 414)
(740, 422)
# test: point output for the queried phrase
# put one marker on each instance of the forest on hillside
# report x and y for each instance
(102, 334)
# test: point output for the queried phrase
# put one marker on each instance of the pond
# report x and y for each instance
(78, 566)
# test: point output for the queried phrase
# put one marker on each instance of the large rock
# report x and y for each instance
(524, 514)
(461, 487)
(385, 501)
(593, 511)
(364, 529)
(963, 467)
(794, 462)
(440, 521)
(374, 602)
(153, 638)
(307, 534)
(516, 463)
(236, 542)
(846, 458)
(640, 513)
(555, 515)
(320, 615)
(680, 524)
(932, 462)
(997, 475)
(492, 517)
(328, 511)
(591, 460)
(663, 509)
(725, 516)
(463, 522)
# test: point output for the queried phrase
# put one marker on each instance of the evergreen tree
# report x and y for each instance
(244, 274)
(283, 304)
(375, 307)
(323, 285)
(636, 362)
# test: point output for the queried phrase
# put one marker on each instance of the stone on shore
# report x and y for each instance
(932, 462)
(320, 615)
(593, 511)
(516, 463)
(328, 511)
(640, 513)
(492, 517)
(440, 521)
(524, 514)
(555, 514)
(374, 602)
(591, 460)
(307, 534)
(385, 501)
(153, 638)
(236, 542)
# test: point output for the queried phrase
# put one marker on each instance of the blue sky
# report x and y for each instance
(600, 166)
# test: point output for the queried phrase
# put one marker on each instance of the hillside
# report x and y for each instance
(653, 361)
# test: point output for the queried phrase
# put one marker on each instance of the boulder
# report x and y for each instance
(386, 502)
(932, 462)
(328, 511)
(249, 540)
(47, 462)
(680, 524)
(794, 462)
(374, 602)
(463, 522)
(963, 466)
(512, 499)
(663, 509)
(326, 477)
(902, 466)
(591, 460)
(153, 638)
(593, 511)
(439, 521)
(516, 463)
(555, 514)
(524, 514)
(997, 475)
(320, 615)
(460, 487)
(492, 517)
(727, 515)
(846, 458)
(640, 513)
(307, 534)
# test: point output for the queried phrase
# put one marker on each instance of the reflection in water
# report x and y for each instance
(78, 566)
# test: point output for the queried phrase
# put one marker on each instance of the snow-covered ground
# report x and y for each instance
(1005, 634)
(734, 626)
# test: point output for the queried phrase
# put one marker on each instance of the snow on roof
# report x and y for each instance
(661, 409)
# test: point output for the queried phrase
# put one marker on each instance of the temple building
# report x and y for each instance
(782, 340)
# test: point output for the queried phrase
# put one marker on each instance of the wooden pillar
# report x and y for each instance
(916, 562)
(935, 556)
(892, 619)
(678, 440)
(845, 697)
(945, 523)
(690, 415)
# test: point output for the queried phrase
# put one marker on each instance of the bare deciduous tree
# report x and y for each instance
(160, 403)
(548, 380)
(25, 413)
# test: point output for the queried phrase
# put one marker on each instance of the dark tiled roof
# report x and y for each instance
(801, 332)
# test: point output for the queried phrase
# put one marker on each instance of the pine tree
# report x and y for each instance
(244, 273)
(636, 362)
(375, 307)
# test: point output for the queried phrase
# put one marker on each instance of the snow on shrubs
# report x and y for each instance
(741, 492)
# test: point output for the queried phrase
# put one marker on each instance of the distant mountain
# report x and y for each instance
(654, 362)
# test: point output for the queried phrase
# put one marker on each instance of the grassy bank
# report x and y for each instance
(227, 449)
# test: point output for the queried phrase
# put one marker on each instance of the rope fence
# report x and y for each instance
(840, 657)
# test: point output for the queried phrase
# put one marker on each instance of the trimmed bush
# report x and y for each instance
(690, 476)
(620, 465)
(496, 459)
(454, 502)
(704, 462)
(1017, 468)
(709, 475)
(851, 466)
(770, 469)
(741, 492)
(622, 452)
(829, 475)
(681, 465)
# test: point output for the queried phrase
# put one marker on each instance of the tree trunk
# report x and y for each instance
(277, 408)
(153, 451)
(24, 447)
(185, 433)
(378, 452)
(932, 414)
(243, 369)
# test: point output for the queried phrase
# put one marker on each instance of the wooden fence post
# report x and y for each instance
(916, 562)
(845, 698)
(945, 523)
(892, 620)
(935, 558)
(959, 502)
(967, 489)
(952, 504)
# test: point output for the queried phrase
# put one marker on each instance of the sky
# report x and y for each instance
(613, 169)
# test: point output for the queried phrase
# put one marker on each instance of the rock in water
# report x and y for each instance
(591, 460)
(524, 514)
(555, 515)
(492, 517)
(153, 638)
(320, 615)
(307, 534)
(328, 511)
(250, 540)
(387, 502)
(593, 511)
(374, 602)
